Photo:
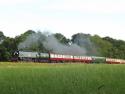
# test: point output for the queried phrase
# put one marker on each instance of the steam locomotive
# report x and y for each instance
(61, 58)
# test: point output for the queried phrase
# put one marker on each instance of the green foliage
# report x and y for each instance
(94, 45)
(118, 48)
(61, 38)
(4, 54)
(23, 36)
(1, 36)
(103, 46)
(9, 45)
(34, 42)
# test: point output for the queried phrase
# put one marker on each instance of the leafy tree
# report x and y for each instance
(103, 46)
(118, 48)
(4, 54)
(23, 36)
(61, 38)
(2, 37)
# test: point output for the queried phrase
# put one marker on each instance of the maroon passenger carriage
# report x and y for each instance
(114, 61)
(69, 58)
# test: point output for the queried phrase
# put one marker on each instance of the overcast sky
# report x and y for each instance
(102, 17)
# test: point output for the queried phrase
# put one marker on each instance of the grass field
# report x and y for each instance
(35, 78)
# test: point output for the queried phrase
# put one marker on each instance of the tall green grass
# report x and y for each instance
(35, 78)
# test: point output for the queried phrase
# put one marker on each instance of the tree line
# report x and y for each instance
(94, 45)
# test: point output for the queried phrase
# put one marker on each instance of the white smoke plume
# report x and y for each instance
(84, 41)
(52, 44)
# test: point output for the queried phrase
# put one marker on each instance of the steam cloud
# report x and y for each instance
(53, 45)
(84, 41)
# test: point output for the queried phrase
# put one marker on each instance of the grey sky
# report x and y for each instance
(102, 17)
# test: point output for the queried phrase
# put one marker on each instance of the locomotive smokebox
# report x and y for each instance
(16, 53)
(15, 56)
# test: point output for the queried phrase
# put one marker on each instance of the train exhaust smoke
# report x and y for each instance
(84, 41)
(50, 43)
(53, 44)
